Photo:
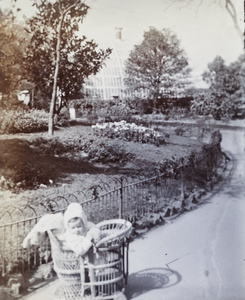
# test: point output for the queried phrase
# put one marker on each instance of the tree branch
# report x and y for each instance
(229, 6)
(232, 11)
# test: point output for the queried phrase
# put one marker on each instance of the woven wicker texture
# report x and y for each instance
(113, 232)
(101, 273)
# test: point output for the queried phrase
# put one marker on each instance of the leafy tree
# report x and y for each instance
(225, 95)
(157, 64)
(12, 43)
(57, 59)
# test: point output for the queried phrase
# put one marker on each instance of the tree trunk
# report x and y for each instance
(57, 66)
(56, 73)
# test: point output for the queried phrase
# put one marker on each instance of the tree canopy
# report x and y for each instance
(225, 95)
(12, 42)
(157, 64)
(57, 58)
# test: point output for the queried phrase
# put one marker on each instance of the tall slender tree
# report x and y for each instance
(56, 57)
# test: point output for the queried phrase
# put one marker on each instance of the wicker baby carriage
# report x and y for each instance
(101, 273)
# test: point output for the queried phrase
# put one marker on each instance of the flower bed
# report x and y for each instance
(129, 132)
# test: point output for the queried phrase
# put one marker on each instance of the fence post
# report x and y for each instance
(4, 237)
(121, 199)
(182, 195)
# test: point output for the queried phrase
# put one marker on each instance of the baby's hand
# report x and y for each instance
(94, 234)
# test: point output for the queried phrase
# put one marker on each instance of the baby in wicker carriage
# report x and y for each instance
(72, 230)
(80, 234)
(83, 273)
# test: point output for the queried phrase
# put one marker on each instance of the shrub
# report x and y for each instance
(63, 119)
(28, 175)
(179, 131)
(55, 146)
(216, 137)
(115, 110)
(23, 120)
(104, 153)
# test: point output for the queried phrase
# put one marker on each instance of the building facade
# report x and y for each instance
(108, 83)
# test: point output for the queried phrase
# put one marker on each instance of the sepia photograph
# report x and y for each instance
(122, 150)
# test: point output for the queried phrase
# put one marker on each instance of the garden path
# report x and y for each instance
(199, 255)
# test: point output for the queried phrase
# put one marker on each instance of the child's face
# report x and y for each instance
(76, 227)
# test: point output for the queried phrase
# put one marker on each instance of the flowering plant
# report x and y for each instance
(129, 132)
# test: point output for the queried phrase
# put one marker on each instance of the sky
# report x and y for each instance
(204, 27)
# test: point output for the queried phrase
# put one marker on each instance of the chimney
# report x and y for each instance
(118, 33)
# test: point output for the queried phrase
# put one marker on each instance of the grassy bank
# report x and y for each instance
(76, 157)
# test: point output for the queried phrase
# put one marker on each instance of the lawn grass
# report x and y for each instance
(56, 171)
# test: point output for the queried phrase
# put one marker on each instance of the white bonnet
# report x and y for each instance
(74, 210)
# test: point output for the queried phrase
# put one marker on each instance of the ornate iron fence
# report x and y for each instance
(125, 197)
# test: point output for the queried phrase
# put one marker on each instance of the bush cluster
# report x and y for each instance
(179, 131)
(30, 175)
(44, 159)
(27, 175)
(130, 132)
(25, 120)
(103, 152)
(116, 109)
(97, 150)
(56, 146)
